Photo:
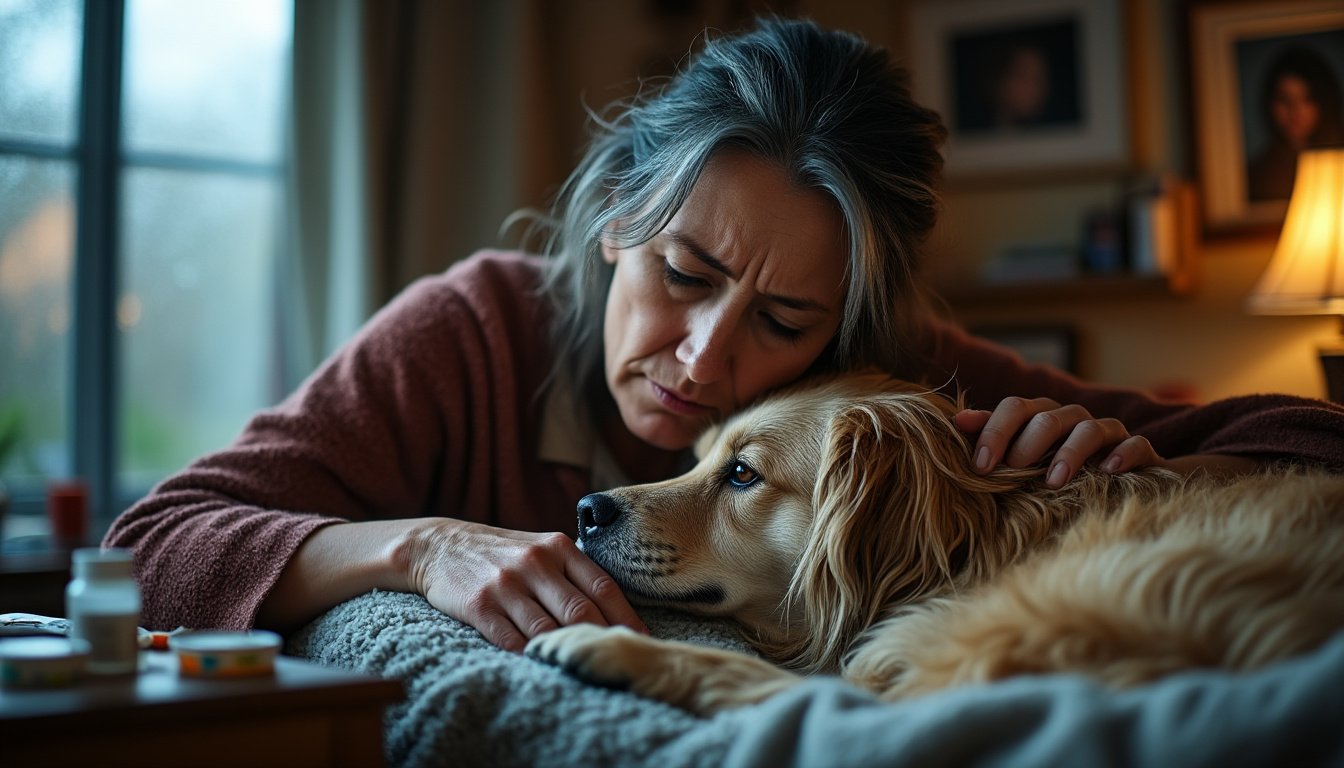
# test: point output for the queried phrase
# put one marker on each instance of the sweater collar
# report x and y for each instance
(569, 436)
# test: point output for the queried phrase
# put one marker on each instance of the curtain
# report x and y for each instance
(325, 285)
(418, 127)
(456, 117)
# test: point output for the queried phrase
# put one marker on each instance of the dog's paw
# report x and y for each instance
(703, 681)
(599, 655)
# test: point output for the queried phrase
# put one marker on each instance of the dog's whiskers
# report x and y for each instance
(654, 559)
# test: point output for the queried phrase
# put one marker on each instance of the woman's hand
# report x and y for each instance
(1021, 432)
(513, 585)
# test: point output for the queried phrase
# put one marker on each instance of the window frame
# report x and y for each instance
(98, 162)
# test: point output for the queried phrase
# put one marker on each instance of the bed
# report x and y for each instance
(468, 703)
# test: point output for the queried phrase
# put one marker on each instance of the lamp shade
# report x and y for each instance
(1306, 275)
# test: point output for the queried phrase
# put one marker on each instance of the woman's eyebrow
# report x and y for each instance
(688, 244)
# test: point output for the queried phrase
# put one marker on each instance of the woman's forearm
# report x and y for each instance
(338, 562)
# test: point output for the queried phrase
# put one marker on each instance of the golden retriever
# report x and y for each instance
(840, 523)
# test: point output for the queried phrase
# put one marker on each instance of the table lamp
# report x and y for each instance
(1306, 275)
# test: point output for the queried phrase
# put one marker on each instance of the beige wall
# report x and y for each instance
(1203, 342)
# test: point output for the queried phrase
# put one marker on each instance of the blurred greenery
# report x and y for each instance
(151, 442)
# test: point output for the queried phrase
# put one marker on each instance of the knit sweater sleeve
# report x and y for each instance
(1264, 427)
(367, 436)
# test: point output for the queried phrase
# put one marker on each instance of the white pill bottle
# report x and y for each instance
(102, 603)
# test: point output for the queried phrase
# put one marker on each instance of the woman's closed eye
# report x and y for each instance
(676, 278)
(782, 330)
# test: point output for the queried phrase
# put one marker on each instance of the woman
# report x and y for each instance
(758, 220)
(1303, 107)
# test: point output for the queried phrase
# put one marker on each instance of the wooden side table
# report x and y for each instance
(303, 715)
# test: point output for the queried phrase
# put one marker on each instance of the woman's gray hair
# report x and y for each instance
(832, 111)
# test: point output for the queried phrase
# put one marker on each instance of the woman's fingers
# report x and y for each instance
(1002, 427)
(491, 618)
(530, 619)
(971, 420)
(574, 590)
(513, 585)
(1022, 432)
(604, 593)
(1085, 439)
(1132, 453)
(1069, 425)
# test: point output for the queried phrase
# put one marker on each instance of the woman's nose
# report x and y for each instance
(707, 349)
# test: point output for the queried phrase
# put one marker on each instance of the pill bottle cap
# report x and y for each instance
(94, 563)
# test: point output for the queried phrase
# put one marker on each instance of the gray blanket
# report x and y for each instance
(470, 704)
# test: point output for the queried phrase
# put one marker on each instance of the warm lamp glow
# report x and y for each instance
(1306, 275)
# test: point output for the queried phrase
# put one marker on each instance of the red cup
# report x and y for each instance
(68, 511)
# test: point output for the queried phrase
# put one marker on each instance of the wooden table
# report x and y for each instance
(303, 715)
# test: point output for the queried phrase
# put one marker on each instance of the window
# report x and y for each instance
(142, 217)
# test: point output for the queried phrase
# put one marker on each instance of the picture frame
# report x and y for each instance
(1024, 86)
(1052, 345)
(1238, 50)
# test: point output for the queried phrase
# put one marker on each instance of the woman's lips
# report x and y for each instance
(676, 404)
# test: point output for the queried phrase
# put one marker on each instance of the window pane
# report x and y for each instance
(39, 69)
(207, 77)
(195, 315)
(37, 236)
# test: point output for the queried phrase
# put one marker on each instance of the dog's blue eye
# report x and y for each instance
(742, 476)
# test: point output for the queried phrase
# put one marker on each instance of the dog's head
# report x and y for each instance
(807, 515)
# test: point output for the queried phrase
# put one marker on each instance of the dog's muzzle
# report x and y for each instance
(641, 568)
(597, 512)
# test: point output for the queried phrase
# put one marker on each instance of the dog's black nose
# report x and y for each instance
(597, 511)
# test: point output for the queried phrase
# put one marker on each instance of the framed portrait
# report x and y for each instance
(1267, 78)
(1052, 345)
(1024, 86)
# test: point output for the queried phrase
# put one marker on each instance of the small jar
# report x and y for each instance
(102, 603)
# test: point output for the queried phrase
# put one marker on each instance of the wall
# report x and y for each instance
(1201, 343)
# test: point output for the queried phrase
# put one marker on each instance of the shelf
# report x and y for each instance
(1117, 287)
(1174, 253)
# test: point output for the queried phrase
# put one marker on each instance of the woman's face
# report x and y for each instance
(739, 294)
(1295, 110)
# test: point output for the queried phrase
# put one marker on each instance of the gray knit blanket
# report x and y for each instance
(469, 703)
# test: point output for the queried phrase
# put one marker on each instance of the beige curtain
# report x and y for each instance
(456, 121)
(325, 284)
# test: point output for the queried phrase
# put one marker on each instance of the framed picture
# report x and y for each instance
(1024, 86)
(1052, 345)
(1267, 78)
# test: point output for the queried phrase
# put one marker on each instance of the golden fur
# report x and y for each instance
(867, 546)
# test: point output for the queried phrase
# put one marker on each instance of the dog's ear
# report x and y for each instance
(897, 509)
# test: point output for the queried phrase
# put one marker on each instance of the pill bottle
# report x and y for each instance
(102, 603)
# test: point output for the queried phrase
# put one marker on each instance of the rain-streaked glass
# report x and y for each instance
(205, 80)
(39, 70)
(37, 236)
(195, 314)
(207, 77)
